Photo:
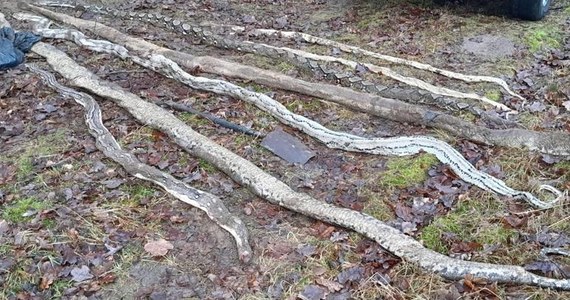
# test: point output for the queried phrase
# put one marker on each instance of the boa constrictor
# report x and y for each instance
(267, 186)
(399, 146)
(210, 204)
(323, 66)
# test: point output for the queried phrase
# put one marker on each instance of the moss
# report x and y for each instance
(494, 95)
(206, 166)
(543, 37)
(406, 171)
(15, 212)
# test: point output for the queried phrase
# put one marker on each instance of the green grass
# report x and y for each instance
(377, 207)
(19, 274)
(543, 37)
(129, 255)
(58, 287)
(206, 166)
(14, 280)
(470, 223)
(44, 145)
(194, 119)
(405, 171)
(136, 193)
(494, 95)
(14, 212)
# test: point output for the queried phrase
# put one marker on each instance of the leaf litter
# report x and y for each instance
(90, 234)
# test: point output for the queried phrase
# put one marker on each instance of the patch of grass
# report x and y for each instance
(543, 37)
(59, 287)
(4, 249)
(14, 212)
(467, 116)
(49, 223)
(469, 222)
(129, 255)
(298, 106)
(141, 133)
(494, 95)
(285, 66)
(206, 166)
(529, 120)
(44, 145)
(376, 207)
(193, 119)
(138, 192)
(405, 171)
(564, 166)
(259, 88)
(242, 140)
(14, 280)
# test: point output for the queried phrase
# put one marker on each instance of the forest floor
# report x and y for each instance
(74, 225)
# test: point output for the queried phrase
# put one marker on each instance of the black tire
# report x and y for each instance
(532, 10)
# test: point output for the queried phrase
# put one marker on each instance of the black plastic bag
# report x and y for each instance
(13, 45)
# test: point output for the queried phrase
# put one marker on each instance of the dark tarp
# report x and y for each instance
(13, 45)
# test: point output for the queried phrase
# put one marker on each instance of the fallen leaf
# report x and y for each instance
(158, 248)
(81, 274)
(46, 280)
(353, 274)
(312, 292)
(332, 286)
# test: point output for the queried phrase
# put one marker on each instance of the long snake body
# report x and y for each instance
(211, 34)
(399, 146)
(258, 181)
(210, 204)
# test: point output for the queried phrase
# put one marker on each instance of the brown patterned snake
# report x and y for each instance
(320, 64)
(269, 187)
(399, 146)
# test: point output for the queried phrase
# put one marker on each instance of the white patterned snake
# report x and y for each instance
(276, 192)
(207, 202)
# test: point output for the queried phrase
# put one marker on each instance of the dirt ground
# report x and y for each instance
(74, 225)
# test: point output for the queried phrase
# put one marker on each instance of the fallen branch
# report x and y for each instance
(106, 143)
(555, 143)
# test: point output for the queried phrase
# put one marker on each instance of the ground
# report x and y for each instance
(75, 225)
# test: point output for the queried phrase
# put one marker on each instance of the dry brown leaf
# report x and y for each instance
(158, 248)
(333, 286)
